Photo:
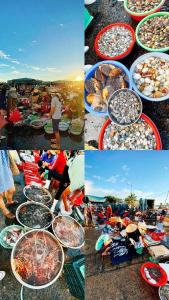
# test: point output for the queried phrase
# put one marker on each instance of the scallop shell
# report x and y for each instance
(100, 76)
(90, 85)
(94, 98)
(106, 69)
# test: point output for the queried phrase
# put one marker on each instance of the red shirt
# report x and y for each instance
(59, 164)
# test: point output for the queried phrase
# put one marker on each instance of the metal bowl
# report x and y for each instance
(37, 259)
(36, 215)
(44, 199)
(71, 225)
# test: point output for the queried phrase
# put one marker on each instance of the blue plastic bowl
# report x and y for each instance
(132, 69)
(90, 74)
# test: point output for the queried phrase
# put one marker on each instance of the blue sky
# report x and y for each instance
(41, 39)
(114, 172)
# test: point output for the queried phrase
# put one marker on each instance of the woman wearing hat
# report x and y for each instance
(55, 115)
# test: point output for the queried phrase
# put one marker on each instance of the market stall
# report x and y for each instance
(44, 239)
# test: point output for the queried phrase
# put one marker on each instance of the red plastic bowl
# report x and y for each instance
(162, 281)
(124, 54)
(145, 118)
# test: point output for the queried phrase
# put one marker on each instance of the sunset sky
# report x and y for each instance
(41, 39)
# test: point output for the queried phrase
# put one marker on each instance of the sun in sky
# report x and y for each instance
(78, 78)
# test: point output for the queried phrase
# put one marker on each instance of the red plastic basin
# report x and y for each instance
(145, 118)
(124, 54)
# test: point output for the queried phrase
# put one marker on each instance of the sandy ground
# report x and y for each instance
(104, 281)
(27, 138)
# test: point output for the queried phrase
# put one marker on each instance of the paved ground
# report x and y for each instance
(26, 138)
(9, 286)
(114, 283)
(105, 13)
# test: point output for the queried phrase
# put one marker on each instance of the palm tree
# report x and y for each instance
(131, 200)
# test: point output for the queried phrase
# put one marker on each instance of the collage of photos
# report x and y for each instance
(84, 96)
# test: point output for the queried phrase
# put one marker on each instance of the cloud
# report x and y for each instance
(53, 70)
(35, 68)
(125, 168)
(34, 42)
(4, 65)
(61, 24)
(112, 179)
(15, 61)
(21, 50)
(97, 177)
(4, 55)
(92, 189)
(16, 73)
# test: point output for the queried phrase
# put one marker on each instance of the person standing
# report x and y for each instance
(7, 187)
(55, 115)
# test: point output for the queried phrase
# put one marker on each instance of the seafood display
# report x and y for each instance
(37, 259)
(152, 77)
(139, 136)
(140, 6)
(34, 215)
(37, 194)
(154, 32)
(68, 231)
(115, 41)
(37, 124)
(76, 127)
(152, 274)
(124, 107)
(11, 234)
(107, 79)
(164, 292)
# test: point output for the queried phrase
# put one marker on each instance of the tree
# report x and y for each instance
(131, 200)
(112, 199)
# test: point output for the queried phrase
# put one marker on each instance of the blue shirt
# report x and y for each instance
(6, 177)
(50, 160)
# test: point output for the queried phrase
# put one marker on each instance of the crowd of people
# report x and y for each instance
(64, 167)
(44, 100)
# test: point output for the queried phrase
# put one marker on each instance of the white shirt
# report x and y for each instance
(57, 105)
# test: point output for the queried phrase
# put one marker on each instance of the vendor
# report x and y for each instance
(55, 115)
(11, 100)
(47, 159)
(7, 187)
(57, 168)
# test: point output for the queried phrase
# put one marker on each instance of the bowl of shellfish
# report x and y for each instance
(138, 10)
(101, 81)
(68, 232)
(124, 107)
(142, 135)
(150, 76)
